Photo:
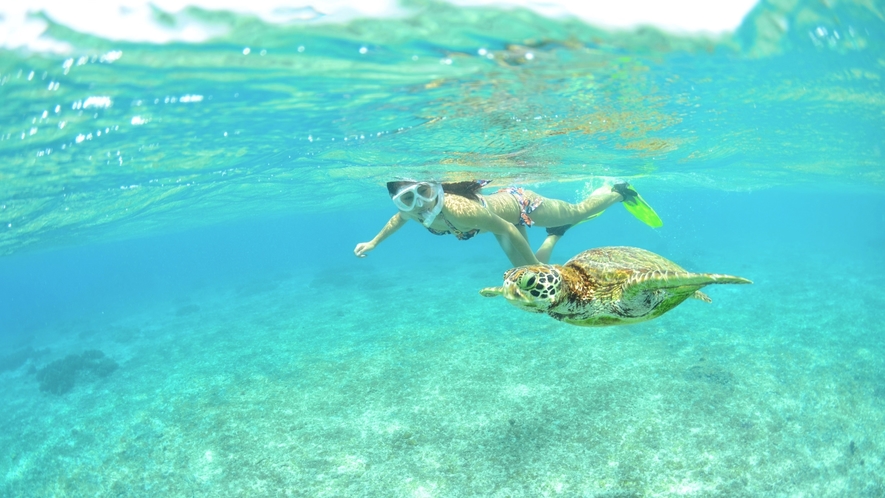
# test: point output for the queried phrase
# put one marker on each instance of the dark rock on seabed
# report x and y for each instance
(60, 376)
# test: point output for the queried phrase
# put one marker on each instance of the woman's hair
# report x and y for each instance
(394, 187)
(469, 189)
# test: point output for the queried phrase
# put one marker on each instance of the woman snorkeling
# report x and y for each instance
(461, 210)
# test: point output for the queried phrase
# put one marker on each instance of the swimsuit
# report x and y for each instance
(525, 208)
(452, 230)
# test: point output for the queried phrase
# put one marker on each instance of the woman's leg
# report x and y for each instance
(523, 232)
(555, 212)
(546, 250)
(553, 236)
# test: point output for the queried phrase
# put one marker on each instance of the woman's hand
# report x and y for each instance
(395, 223)
(362, 248)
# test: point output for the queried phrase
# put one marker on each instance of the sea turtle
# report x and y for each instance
(605, 286)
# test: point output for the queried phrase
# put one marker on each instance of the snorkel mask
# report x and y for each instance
(420, 197)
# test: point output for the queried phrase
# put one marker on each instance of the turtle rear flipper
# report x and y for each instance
(701, 297)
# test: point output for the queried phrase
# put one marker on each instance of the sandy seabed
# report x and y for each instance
(361, 382)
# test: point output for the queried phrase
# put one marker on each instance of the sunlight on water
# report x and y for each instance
(284, 113)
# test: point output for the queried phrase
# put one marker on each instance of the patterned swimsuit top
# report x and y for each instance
(525, 208)
(454, 231)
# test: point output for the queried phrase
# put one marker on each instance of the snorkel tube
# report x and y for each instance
(429, 215)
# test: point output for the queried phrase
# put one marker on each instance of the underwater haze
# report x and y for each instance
(182, 314)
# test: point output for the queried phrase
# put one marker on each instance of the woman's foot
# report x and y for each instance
(625, 190)
(559, 231)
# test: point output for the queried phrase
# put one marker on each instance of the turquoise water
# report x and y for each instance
(181, 313)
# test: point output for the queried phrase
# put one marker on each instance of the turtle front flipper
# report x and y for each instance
(491, 291)
(657, 279)
(651, 294)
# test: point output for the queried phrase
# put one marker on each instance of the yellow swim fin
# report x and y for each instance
(636, 205)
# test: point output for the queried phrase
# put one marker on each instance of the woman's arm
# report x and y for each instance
(394, 224)
(514, 244)
(516, 248)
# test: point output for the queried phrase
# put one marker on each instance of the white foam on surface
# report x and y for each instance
(676, 16)
(21, 26)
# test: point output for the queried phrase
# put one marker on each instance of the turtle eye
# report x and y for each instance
(527, 281)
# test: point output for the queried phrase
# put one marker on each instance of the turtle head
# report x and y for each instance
(532, 288)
